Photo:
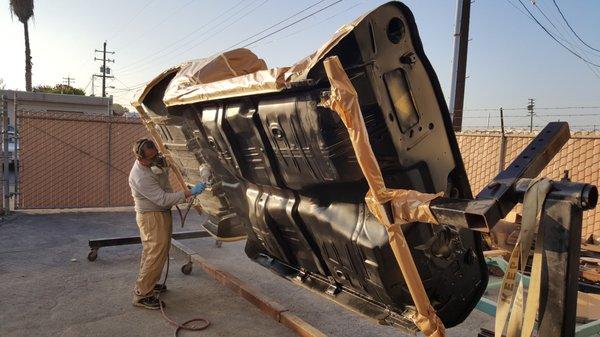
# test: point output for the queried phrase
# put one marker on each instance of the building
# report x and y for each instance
(45, 102)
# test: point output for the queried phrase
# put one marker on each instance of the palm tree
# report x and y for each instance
(23, 9)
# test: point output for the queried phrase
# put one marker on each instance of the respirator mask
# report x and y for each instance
(159, 163)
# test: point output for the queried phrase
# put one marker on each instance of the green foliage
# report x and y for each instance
(59, 89)
(118, 109)
(23, 9)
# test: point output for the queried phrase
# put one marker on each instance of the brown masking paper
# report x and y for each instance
(406, 205)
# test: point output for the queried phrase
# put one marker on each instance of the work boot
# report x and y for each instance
(150, 302)
(160, 288)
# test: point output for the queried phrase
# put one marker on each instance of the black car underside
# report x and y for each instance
(286, 175)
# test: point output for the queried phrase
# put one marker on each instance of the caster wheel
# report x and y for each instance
(92, 255)
(187, 268)
(218, 243)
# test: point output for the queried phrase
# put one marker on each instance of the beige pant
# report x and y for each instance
(155, 232)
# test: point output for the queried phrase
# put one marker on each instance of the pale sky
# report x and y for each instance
(510, 58)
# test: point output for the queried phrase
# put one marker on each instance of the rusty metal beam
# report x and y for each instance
(273, 309)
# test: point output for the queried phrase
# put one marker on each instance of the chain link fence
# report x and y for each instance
(481, 155)
(69, 160)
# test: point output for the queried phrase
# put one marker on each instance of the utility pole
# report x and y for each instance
(103, 69)
(530, 107)
(459, 63)
(502, 156)
(68, 79)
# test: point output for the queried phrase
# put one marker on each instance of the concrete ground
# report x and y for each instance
(50, 289)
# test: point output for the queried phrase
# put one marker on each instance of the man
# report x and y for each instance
(153, 197)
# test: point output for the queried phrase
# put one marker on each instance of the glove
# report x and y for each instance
(198, 188)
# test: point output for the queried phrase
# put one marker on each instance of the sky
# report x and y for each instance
(510, 57)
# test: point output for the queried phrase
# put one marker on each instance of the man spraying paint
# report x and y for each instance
(153, 197)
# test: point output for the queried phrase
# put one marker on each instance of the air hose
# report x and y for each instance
(203, 323)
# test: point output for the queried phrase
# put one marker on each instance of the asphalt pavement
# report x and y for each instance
(50, 289)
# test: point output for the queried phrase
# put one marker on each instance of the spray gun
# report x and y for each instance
(206, 178)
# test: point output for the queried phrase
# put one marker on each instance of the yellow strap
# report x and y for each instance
(509, 301)
(533, 293)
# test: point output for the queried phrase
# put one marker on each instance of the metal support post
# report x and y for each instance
(560, 226)
(459, 64)
(109, 162)
(5, 162)
(17, 141)
(502, 156)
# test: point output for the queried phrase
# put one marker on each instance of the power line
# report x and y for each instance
(274, 25)
(571, 28)
(570, 42)
(309, 27)
(166, 18)
(274, 32)
(130, 20)
(538, 115)
(533, 19)
(215, 33)
(156, 55)
(220, 31)
(554, 38)
(291, 24)
(126, 86)
(537, 108)
(87, 85)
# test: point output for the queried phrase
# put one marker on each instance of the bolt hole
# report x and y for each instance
(430, 126)
(391, 117)
(411, 133)
(533, 148)
(454, 193)
(395, 30)
(525, 157)
(420, 128)
(277, 133)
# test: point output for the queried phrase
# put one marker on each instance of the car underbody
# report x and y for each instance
(286, 178)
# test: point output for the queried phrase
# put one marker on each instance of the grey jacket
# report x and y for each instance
(151, 191)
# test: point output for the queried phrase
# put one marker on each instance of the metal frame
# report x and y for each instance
(560, 226)
(497, 199)
(488, 306)
(5, 158)
(96, 244)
